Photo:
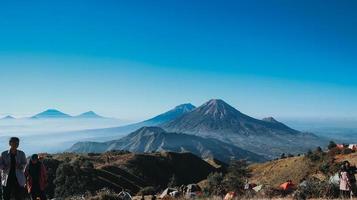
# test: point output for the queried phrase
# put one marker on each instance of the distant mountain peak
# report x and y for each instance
(217, 108)
(185, 107)
(270, 119)
(172, 114)
(51, 113)
(8, 117)
(89, 114)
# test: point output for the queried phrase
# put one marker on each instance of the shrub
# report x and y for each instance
(237, 175)
(173, 182)
(315, 188)
(331, 145)
(215, 184)
(72, 180)
(282, 156)
(147, 191)
(346, 151)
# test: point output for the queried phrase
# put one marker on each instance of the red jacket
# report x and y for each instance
(43, 178)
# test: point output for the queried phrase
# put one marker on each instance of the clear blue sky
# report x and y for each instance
(134, 59)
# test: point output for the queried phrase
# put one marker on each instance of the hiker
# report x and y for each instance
(12, 164)
(345, 186)
(351, 171)
(36, 176)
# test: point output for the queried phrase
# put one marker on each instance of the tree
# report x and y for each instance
(282, 156)
(318, 149)
(331, 145)
(237, 175)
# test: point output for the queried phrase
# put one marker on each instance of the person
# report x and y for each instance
(351, 171)
(345, 187)
(12, 164)
(36, 176)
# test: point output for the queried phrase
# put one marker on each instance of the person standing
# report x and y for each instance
(12, 164)
(36, 175)
(351, 171)
(345, 186)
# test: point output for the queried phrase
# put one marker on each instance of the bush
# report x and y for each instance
(318, 150)
(215, 184)
(331, 145)
(314, 156)
(237, 175)
(104, 195)
(147, 191)
(315, 188)
(173, 182)
(282, 156)
(72, 180)
(51, 166)
(346, 151)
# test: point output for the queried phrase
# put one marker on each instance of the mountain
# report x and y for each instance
(270, 138)
(89, 114)
(114, 132)
(155, 139)
(51, 114)
(171, 114)
(8, 117)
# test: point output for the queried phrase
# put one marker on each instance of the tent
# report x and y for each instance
(230, 196)
(193, 188)
(124, 196)
(258, 188)
(287, 185)
(353, 147)
(168, 192)
(335, 180)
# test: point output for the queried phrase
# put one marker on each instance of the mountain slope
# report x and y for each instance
(155, 139)
(105, 134)
(50, 114)
(217, 119)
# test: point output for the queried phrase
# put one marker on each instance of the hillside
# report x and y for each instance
(124, 170)
(268, 137)
(319, 165)
(116, 132)
(155, 139)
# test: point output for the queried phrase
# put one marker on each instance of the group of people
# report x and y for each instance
(348, 186)
(19, 176)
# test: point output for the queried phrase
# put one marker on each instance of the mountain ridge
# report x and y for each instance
(156, 139)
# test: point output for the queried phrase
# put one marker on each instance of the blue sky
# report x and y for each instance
(134, 59)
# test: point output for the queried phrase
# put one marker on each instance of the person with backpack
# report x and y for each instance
(36, 176)
(345, 186)
(12, 164)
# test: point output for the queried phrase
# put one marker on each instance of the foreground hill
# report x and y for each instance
(268, 137)
(155, 139)
(72, 174)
